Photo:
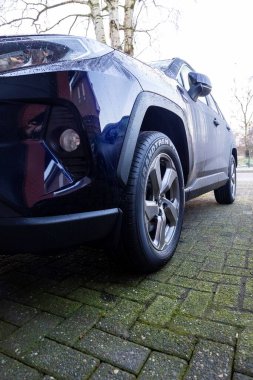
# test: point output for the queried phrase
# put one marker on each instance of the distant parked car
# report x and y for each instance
(95, 145)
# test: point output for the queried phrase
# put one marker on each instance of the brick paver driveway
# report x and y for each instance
(73, 317)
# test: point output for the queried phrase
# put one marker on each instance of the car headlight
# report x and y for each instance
(69, 140)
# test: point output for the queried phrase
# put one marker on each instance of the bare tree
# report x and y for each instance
(113, 21)
(244, 115)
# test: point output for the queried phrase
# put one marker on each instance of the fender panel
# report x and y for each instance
(143, 101)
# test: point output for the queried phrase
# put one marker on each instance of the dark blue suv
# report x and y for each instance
(95, 145)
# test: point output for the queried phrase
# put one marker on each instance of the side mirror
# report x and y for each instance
(200, 85)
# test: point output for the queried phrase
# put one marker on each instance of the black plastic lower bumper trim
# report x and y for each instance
(42, 233)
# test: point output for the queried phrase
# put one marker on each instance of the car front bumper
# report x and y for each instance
(36, 234)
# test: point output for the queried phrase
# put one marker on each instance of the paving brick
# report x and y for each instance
(205, 329)
(212, 265)
(108, 372)
(248, 303)
(231, 317)
(240, 376)
(169, 290)
(29, 334)
(11, 369)
(245, 272)
(244, 352)
(116, 351)
(164, 274)
(131, 293)
(9, 267)
(220, 278)
(250, 261)
(237, 259)
(196, 303)
(44, 284)
(90, 297)
(75, 326)
(249, 286)
(55, 304)
(242, 240)
(15, 313)
(6, 329)
(61, 361)
(21, 280)
(68, 285)
(104, 279)
(26, 296)
(162, 366)
(7, 289)
(204, 286)
(160, 311)
(197, 256)
(227, 295)
(177, 260)
(189, 269)
(162, 340)
(185, 245)
(211, 361)
(121, 318)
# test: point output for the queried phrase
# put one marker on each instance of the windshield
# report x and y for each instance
(161, 65)
(18, 52)
(167, 66)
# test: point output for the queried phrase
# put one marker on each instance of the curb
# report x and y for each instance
(244, 170)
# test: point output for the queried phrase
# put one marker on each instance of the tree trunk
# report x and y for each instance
(113, 10)
(97, 20)
(128, 27)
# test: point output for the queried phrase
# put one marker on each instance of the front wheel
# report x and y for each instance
(226, 194)
(154, 204)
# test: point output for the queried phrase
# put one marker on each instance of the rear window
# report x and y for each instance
(19, 52)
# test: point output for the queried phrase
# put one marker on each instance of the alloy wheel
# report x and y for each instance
(162, 200)
(233, 178)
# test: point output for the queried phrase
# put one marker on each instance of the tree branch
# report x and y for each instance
(65, 18)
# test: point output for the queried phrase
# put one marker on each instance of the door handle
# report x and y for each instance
(215, 121)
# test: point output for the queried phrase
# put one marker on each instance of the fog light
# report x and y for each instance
(69, 140)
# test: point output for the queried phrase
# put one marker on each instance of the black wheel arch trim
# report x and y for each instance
(234, 153)
(143, 101)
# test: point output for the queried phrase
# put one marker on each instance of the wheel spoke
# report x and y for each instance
(151, 209)
(159, 240)
(155, 176)
(233, 179)
(169, 177)
(161, 202)
(171, 211)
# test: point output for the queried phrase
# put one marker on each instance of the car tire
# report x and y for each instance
(154, 204)
(226, 194)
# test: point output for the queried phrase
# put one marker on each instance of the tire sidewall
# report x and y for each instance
(161, 144)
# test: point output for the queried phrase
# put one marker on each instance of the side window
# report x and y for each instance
(211, 103)
(183, 76)
(220, 113)
(179, 79)
(203, 100)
